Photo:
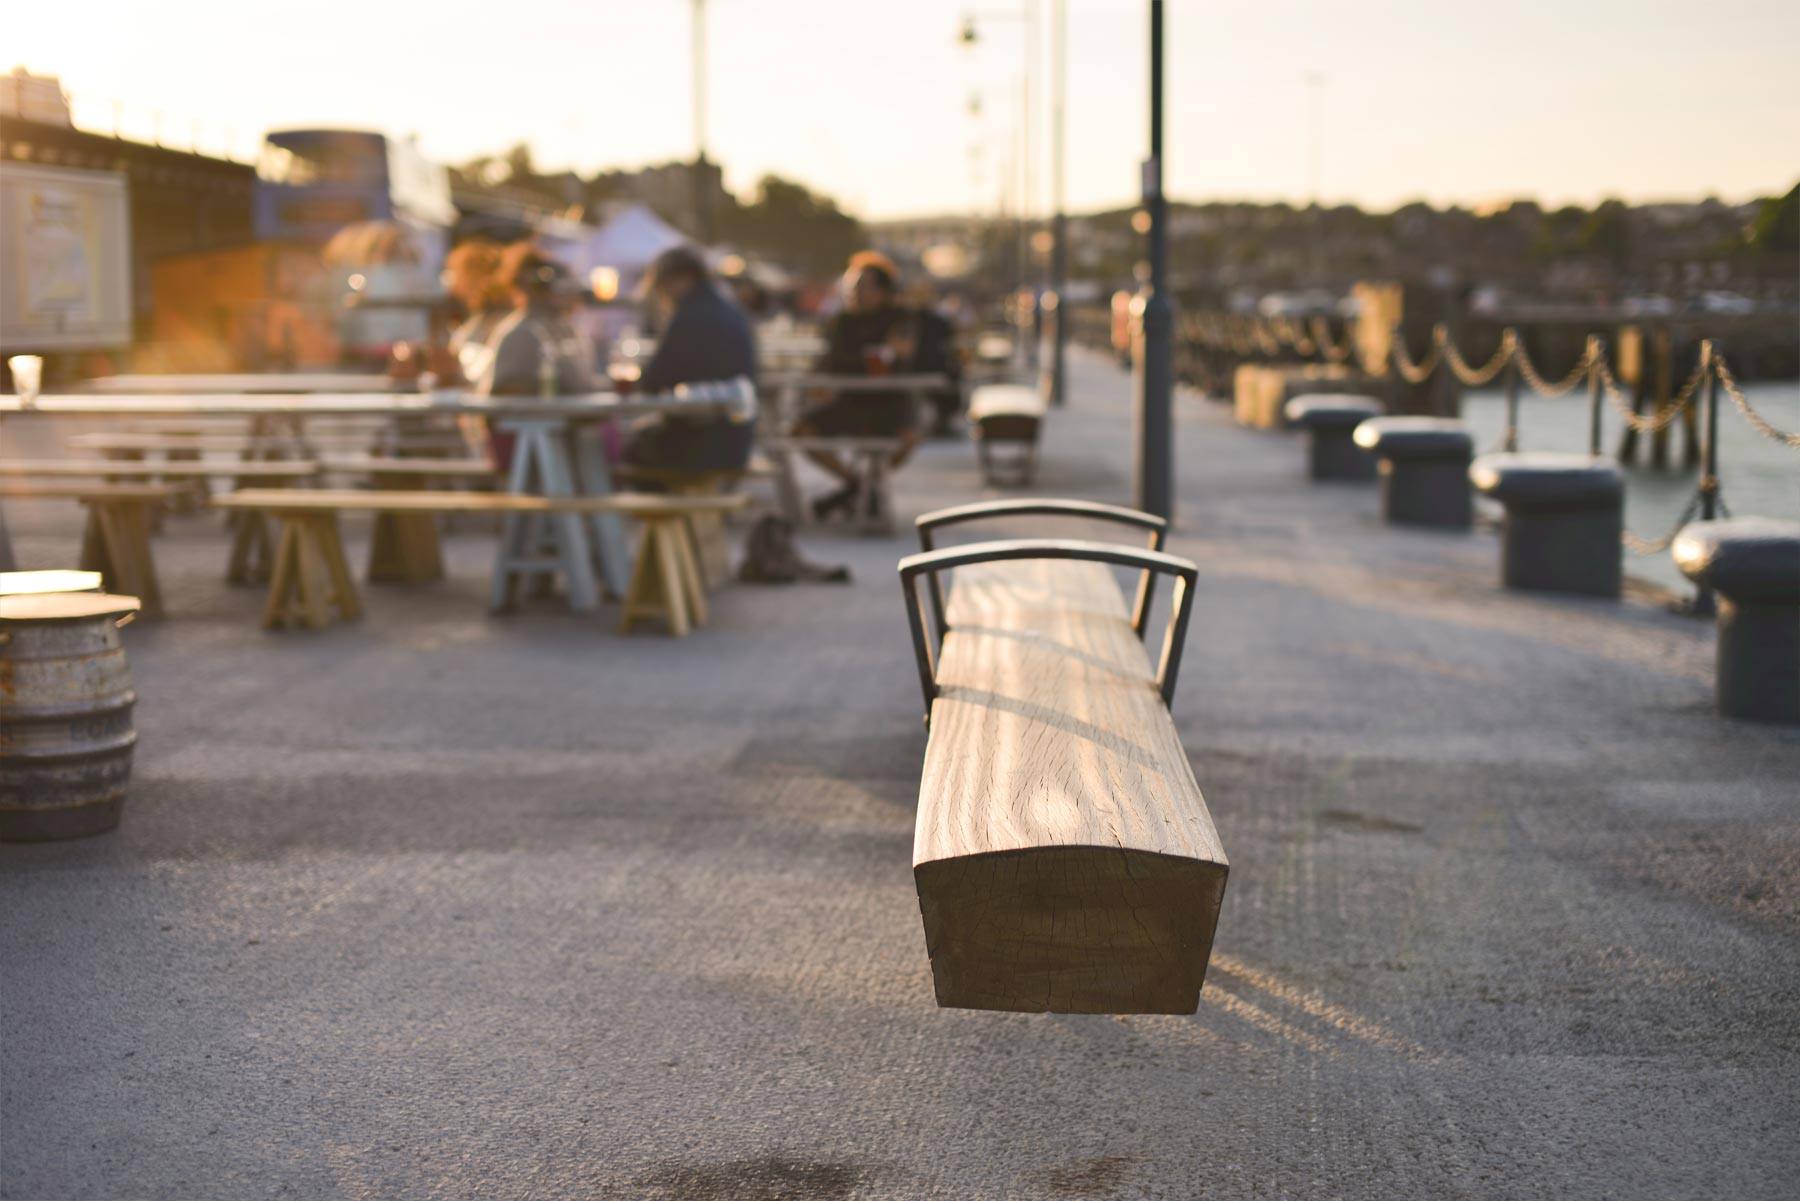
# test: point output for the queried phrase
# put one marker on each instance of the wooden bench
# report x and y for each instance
(709, 527)
(291, 441)
(250, 548)
(1006, 415)
(869, 458)
(119, 472)
(116, 539)
(404, 546)
(1064, 857)
(311, 583)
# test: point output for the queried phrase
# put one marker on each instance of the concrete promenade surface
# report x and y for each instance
(443, 906)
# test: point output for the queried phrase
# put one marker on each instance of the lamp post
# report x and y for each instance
(1155, 379)
(702, 196)
(970, 35)
(1059, 218)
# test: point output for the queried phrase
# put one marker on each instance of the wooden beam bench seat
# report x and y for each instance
(311, 582)
(1064, 857)
(869, 459)
(709, 527)
(1010, 415)
(113, 469)
(116, 539)
(176, 446)
(404, 547)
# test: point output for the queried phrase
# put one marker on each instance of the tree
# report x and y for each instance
(1776, 229)
(795, 226)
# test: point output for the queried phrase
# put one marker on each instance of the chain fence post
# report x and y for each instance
(1594, 351)
(1440, 380)
(1512, 394)
(1709, 468)
(1709, 462)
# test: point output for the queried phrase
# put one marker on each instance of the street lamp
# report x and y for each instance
(1059, 219)
(970, 35)
(702, 189)
(1155, 371)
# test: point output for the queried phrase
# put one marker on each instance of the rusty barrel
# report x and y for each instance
(65, 714)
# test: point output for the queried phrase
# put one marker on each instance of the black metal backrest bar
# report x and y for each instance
(931, 563)
(1047, 506)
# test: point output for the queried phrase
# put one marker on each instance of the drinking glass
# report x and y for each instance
(28, 375)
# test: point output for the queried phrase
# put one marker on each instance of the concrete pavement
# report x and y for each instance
(445, 906)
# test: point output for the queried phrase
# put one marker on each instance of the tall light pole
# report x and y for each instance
(702, 190)
(1155, 380)
(1059, 219)
(1026, 181)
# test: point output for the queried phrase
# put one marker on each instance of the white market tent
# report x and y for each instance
(628, 241)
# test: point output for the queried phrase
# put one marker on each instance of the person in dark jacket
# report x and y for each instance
(873, 335)
(704, 337)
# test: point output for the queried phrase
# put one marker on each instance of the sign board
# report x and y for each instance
(65, 273)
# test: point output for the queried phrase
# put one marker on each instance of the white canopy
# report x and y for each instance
(629, 240)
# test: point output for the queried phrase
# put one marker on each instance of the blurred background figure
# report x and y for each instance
(704, 337)
(534, 350)
(473, 276)
(386, 290)
(872, 335)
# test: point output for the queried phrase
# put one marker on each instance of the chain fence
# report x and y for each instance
(1246, 336)
(1757, 421)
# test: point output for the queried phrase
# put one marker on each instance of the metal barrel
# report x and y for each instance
(66, 733)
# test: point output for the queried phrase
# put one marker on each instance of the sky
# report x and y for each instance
(869, 100)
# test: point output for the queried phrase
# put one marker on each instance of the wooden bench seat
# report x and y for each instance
(1063, 854)
(128, 444)
(311, 581)
(112, 469)
(404, 547)
(1006, 415)
(869, 458)
(116, 539)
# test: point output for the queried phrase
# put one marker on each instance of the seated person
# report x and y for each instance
(873, 335)
(937, 354)
(534, 351)
(704, 338)
(472, 276)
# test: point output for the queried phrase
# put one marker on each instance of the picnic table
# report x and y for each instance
(243, 383)
(557, 447)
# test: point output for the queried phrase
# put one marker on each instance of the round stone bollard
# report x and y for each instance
(1330, 418)
(1564, 515)
(1753, 564)
(65, 715)
(1424, 468)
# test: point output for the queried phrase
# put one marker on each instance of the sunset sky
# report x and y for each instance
(1557, 99)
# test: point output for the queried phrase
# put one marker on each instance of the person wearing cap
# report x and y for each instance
(537, 334)
(534, 349)
(704, 338)
(872, 335)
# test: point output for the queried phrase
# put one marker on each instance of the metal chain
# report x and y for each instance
(1321, 335)
(1289, 331)
(1642, 546)
(1541, 386)
(1742, 402)
(1660, 419)
(1410, 371)
(1471, 376)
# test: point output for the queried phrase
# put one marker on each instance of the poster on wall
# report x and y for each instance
(64, 262)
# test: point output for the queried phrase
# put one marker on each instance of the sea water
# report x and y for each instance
(1757, 476)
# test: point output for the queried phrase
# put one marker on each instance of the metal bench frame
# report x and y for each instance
(1154, 561)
